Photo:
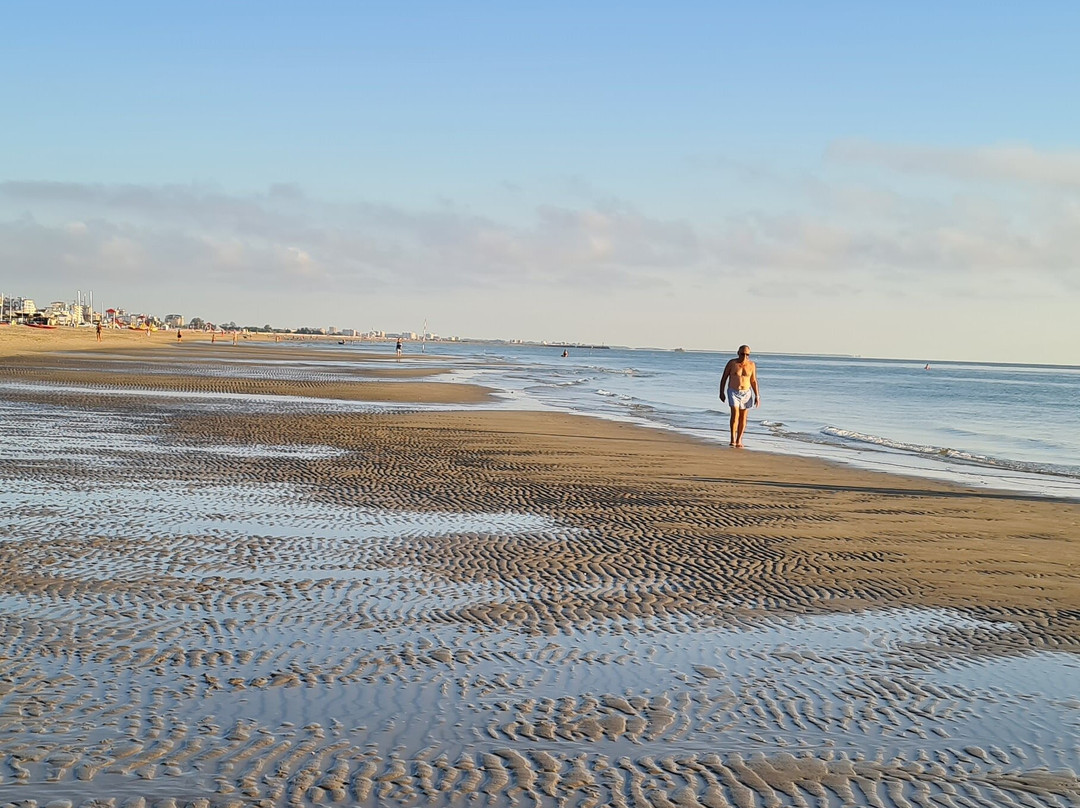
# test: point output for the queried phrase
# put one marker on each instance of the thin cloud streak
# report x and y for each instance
(1007, 163)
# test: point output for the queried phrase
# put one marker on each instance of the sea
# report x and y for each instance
(1006, 427)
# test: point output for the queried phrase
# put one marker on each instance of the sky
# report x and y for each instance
(877, 179)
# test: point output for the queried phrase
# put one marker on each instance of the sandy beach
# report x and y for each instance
(257, 575)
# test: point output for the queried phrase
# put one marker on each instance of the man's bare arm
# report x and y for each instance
(754, 387)
(725, 377)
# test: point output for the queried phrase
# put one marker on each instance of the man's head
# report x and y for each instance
(744, 351)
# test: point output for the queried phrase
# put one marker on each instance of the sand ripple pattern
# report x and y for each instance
(228, 610)
(201, 370)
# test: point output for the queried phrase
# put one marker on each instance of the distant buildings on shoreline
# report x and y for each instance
(81, 312)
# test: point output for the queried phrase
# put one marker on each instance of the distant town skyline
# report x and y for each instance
(21, 308)
(842, 178)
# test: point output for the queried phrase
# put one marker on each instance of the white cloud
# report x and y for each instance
(282, 234)
(844, 232)
(298, 262)
(122, 252)
(1007, 163)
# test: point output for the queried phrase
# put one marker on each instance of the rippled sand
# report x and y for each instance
(210, 603)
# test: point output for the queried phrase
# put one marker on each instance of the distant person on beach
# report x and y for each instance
(179, 335)
(740, 378)
(98, 330)
(397, 350)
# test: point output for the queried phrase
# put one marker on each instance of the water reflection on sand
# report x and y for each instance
(175, 631)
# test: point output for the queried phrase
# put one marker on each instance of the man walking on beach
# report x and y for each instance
(740, 376)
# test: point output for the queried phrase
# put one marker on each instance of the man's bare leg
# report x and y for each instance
(733, 424)
(741, 427)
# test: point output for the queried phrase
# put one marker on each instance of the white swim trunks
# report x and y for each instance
(740, 399)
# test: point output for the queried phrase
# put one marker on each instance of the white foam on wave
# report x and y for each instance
(915, 464)
(860, 437)
(946, 453)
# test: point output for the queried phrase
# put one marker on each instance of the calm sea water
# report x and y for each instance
(1009, 427)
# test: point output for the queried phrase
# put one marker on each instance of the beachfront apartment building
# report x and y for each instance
(16, 308)
(174, 320)
(60, 312)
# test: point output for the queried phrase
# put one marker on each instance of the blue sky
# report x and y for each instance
(889, 180)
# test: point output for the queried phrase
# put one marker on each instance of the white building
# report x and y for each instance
(174, 320)
(12, 307)
(59, 313)
(22, 305)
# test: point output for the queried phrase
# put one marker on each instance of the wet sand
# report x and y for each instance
(255, 366)
(242, 590)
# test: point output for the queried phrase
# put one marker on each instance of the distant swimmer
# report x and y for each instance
(927, 366)
(740, 378)
(565, 354)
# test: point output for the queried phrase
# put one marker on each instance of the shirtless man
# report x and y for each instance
(740, 376)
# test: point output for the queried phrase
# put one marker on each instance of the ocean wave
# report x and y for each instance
(860, 437)
(847, 436)
(636, 372)
(639, 407)
(630, 404)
